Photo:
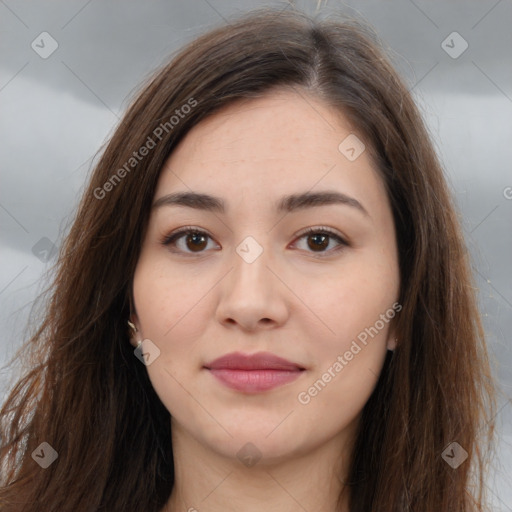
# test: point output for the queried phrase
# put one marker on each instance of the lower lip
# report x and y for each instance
(254, 381)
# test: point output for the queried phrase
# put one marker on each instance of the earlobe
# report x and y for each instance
(134, 333)
(392, 343)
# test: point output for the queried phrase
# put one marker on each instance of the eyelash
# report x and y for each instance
(168, 240)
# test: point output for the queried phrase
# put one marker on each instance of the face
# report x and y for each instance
(314, 282)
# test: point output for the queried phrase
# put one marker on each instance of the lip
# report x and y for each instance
(253, 373)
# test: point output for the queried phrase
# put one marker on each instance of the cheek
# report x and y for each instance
(349, 360)
(356, 308)
(168, 307)
(338, 397)
(173, 310)
(352, 298)
(166, 299)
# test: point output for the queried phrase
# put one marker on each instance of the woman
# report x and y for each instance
(264, 300)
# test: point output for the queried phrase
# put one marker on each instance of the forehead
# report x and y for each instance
(282, 123)
(283, 142)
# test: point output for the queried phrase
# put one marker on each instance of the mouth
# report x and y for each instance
(254, 373)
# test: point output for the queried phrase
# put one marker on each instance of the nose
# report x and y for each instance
(252, 295)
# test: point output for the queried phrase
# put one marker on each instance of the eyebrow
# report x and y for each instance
(290, 203)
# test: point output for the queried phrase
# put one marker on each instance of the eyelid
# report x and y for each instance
(167, 240)
(175, 235)
(323, 229)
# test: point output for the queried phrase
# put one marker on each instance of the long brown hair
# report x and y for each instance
(88, 397)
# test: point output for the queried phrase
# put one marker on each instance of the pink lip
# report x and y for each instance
(253, 373)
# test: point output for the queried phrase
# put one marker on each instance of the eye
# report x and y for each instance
(196, 240)
(319, 239)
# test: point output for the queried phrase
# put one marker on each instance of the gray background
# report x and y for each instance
(56, 112)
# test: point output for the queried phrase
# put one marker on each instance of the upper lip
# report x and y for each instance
(259, 361)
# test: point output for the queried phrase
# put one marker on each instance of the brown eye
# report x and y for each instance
(194, 241)
(318, 241)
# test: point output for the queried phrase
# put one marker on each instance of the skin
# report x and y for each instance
(300, 300)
